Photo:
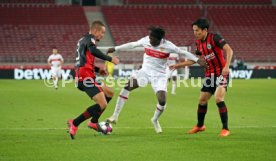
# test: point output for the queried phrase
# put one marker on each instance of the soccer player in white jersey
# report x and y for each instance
(172, 74)
(153, 71)
(55, 61)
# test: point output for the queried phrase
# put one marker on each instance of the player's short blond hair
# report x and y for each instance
(96, 25)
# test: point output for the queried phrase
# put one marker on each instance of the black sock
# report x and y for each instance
(82, 117)
(201, 112)
(96, 118)
(96, 112)
(223, 114)
(108, 99)
(92, 111)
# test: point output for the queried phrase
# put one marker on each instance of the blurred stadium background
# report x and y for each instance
(29, 29)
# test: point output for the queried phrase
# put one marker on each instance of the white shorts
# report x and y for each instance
(171, 73)
(56, 71)
(157, 80)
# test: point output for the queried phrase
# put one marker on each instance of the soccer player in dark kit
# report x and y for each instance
(211, 46)
(86, 79)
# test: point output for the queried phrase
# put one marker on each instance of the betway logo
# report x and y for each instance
(243, 74)
(38, 74)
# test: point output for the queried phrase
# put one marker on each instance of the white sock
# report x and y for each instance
(120, 102)
(158, 111)
(55, 82)
(173, 86)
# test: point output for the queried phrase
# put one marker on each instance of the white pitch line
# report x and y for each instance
(135, 128)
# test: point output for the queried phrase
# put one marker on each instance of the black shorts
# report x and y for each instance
(91, 88)
(210, 84)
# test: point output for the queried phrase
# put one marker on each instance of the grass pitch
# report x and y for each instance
(33, 125)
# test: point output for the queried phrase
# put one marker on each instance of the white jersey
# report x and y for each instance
(55, 60)
(155, 58)
(172, 59)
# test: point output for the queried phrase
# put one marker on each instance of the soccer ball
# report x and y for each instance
(106, 127)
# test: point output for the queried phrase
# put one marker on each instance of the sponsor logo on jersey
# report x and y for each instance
(210, 56)
(93, 41)
(156, 54)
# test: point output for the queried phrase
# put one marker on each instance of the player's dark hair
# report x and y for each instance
(201, 23)
(157, 32)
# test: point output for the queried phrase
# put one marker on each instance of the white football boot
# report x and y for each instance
(156, 125)
(112, 119)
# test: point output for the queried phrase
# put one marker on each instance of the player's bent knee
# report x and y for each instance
(219, 99)
(203, 101)
(162, 102)
(109, 93)
(103, 105)
(174, 78)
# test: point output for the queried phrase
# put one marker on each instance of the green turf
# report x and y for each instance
(33, 117)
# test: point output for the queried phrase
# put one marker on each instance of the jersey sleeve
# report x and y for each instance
(174, 48)
(131, 45)
(177, 57)
(61, 58)
(219, 41)
(96, 52)
(186, 54)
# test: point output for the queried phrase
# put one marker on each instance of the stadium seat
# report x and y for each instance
(238, 2)
(248, 29)
(28, 33)
(159, 2)
(130, 23)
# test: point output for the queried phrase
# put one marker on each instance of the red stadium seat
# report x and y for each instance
(241, 2)
(29, 33)
(248, 29)
(159, 2)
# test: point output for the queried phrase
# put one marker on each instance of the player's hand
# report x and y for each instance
(115, 60)
(225, 71)
(173, 67)
(198, 53)
(201, 61)
(111, 50)
(103, 71)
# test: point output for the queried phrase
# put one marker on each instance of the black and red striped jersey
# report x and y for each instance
(212, 52)
(86, 52)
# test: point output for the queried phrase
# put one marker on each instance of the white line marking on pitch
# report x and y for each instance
(135, 128)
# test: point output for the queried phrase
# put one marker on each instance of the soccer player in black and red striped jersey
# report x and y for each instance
(211, 46)
(86, 54)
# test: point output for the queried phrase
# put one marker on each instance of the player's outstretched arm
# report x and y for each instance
(181, 64)
(126, 46)
(201, 61)
(97, 53)
(189, 55)
(115, 60)
(193, 58)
